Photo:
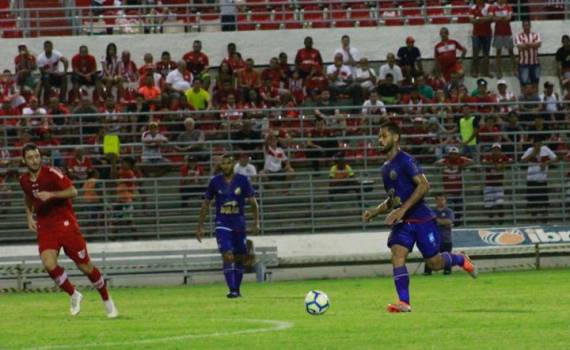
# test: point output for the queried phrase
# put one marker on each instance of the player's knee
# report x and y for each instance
(85, 268)
(49, 264)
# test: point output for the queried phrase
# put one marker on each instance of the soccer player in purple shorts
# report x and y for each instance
(412, 221)
(230, 192)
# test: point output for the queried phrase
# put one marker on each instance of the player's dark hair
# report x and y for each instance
(227, 156)
(392, 127)
(29, 147)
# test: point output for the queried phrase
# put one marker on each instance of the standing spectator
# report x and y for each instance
(494, 192)
(197, 97)
(166, 64)
(390, 67)
(539, 157)
(445, 218)
(503, 39)
(307, 58)
(25, 66)
(191, 141)
(453, 165)
(79, 166)
(528, 44)
(342, 82)
(350, 55)
(563, 60)
(51, 74)
(468, 126)
(228, 12)
(446, 56)
(342, 179)
(198, 62)
(190, 174)
(366, 77)
(245, 168)
(248, 79)
(179, 79)
(84, 68)
(410, 58)
(481, 17)
(155, 164)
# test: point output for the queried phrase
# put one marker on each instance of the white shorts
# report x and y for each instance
(493, 196)
(503, 42)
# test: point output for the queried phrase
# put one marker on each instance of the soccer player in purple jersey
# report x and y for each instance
(230, 192)
(412, 221)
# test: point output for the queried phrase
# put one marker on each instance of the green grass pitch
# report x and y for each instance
(514, 310)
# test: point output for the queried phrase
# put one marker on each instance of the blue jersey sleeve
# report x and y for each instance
(211, 190)
(411, 167)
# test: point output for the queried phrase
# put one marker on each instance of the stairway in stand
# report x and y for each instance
(44, 22)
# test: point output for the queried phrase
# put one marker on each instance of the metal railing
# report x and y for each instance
(74, 20)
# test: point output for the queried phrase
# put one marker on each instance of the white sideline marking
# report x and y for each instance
(275, 326)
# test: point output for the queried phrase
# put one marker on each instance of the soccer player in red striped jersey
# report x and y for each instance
(503, 39)
(48, 194)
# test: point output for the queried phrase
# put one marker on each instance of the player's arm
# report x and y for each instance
(201, 219)
(30, 215)
(444, 222)
(422, 188)
(255, 212)
(382, 208)
(68, 193)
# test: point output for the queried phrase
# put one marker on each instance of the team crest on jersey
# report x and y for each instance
(81, 254)
(237, 191)
(393, 174)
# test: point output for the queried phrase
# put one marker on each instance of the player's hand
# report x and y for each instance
(367, 216)
(32, 225)
(44, 196)
(394, 216)
(199, 234)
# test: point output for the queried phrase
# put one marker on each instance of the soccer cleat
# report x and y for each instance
(75, 303)
(112, 311)
(399, 307)
(468, 266)
(233, 295)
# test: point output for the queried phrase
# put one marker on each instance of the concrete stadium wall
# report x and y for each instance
(373, 43)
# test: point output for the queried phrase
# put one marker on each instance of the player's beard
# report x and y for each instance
(34, 169)
(385, 149)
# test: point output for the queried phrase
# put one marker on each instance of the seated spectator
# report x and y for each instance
(221, 95)
(321, 144)
(234, 59)
(390, 67)
(409, 58)
(308, 58)
(92, 198)
(26, 66)
(489, 132)
(197, 97)
(127, 71)
(84, 68)
(389, 92)
(225, 76)
(274, 73)
(327, 110)
(269, 94)
(529, 104)
(425, 90)
(231, 113)
(126, 191)
(166, 64)
(254, 108)
(191, 141)
(438, 137)
(79, 165)
(418, 141)
(415, 103)
(316, 82)
(374, 109)
(34, 116)
(179, 79)
(504, 96)
(149, 91)
(512, 133)
(366, 77)
(247, 139)
(198, 63)
(245, 168)
(296, 86)
(110, 69)
(277, 165)
(248, 79)
(190, 180)
(484, 98)
(341, 179)
(51, 74)
(341, 81)
(59, 116)
(551, 103)
(284, 64)
(155, 164)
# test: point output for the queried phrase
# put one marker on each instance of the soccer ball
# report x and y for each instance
(317, 302)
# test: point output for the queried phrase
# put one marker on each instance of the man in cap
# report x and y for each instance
(410, 58)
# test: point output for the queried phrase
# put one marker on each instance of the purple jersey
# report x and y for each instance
(230, 200)
(398, 175)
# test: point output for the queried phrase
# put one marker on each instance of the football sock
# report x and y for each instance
(229, 274)
(59, 276)
(238, 275)
(99, 283)
(450, 260)
(402, 282)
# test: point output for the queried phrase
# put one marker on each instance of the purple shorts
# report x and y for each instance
(425, 235)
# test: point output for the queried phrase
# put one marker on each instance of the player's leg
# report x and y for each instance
(476, 43)
(498, 67)
(240, 253)
(225, 246)
(401, 242)
(56, 272)
(446, 247)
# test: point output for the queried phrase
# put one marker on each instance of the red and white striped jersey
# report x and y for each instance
(529, 55)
